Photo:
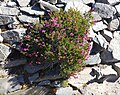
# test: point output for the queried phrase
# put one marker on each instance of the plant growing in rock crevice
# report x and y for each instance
(62, 38)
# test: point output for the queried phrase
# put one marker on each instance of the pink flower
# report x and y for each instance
(71, 34)
(79, 61)
(43, 31)
(27, 36)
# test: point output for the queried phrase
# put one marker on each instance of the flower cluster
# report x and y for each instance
(63, 37)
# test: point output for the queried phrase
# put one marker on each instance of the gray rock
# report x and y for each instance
(96, 16)
(114, 24)
(39, 90)
(45, 82)
(53, 1)
(33, 77)
(93, 59)
(112, 2)
(88, 1)
(100, 40)
(8, 11)
(3, 73)
(114, 45)
(4, 20)
(1, 39)
(77, 5)
(11, 4)
(28, 19)
(12, 36)
(118, 8)
(64, 91)
(15, 63)
(20, 79)
(56, 84)
(8, 85)
(51, 7)
(23, 2)
(104, 10)
(4, 52)
(31, 11)
(108, 33)
(99, 26)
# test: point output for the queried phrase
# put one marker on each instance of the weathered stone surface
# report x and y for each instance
(8, 85)
(64, 91)
(31, 11)
(1, 38)
(12, 36)
(96, 16)
(118, 8)
(28, 19)
(108, 33)
(77, 5)
(112, 2)
(53, 1)
(11, 4)
(100, 40)
(8, 11)
(23, 2)
(3, 73)
(91, 33)
(4, 52)
(45, 82)
(114, 24)
(115, 44)
(51, 7)
(40, 90)
(88, 1)
(93, 59)
(104, 10)
(15, 63)
(99, 26)
(4, 20)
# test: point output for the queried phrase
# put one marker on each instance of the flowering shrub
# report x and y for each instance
(62, 38)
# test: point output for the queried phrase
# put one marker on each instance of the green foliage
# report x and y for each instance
(63, 37)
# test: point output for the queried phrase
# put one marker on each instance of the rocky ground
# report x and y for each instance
(100, 77)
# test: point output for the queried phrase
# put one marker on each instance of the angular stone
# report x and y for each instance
(108, 33)
(8, 11)
(64, 91)
(4, 52)
(114, 46)
(1, 38)
(4, 20)
(104, 10)
(114, 24)
(28, 19)
(45, 82)
(8, 85)
(15, 63)
(91, 33)
(31, 11)
(53, 1)
(77, 5)
(88, 1)
(93, 59)
(4, 73)
(49, 6)
(96, 16)
(112, 2)
(23, 2)
(100, 40)
(118, 8)
(11, 4)
(99, 26)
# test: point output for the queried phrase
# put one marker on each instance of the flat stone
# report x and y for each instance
(91, 33)
(99, 26)
(8, 11)
(77, 5)
(14, 35)
(64, 91)
(53, 1)
(108, 33)
(4, 52)
(114, 46)
(112, 2)
(28, 19)
(15, 63)
(93, 59)
(118, 8)
(23, 2)
(104, 10)
(114, 24)
(31, 11)
(11, 4)
(4, 20)
(45, 82)
(9, 84)
(4, 73)
(49, 6)
(88, 1)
